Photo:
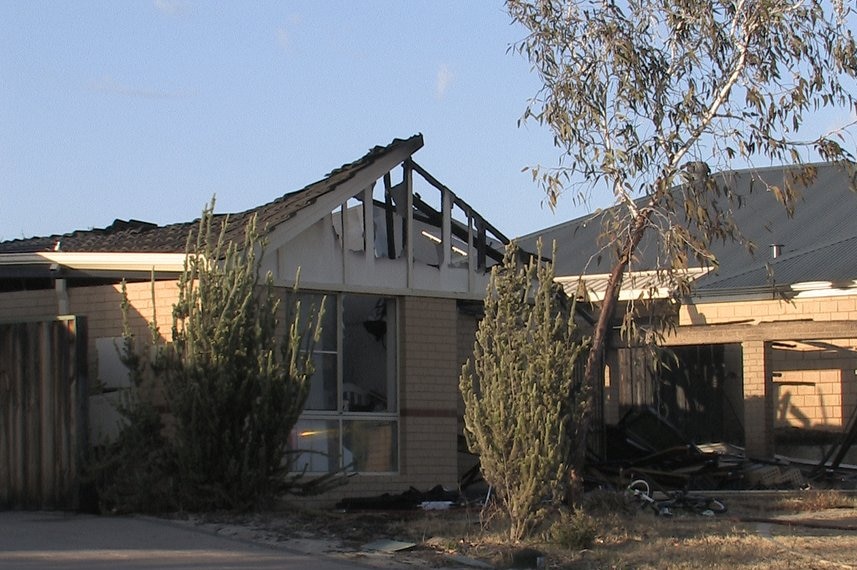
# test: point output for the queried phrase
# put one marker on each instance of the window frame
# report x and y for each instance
(341, 415)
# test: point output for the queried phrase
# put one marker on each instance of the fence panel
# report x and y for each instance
(43, 413)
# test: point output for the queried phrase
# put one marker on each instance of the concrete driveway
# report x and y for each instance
(60, 540)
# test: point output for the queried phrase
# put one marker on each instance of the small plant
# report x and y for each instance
(134, 472)
(574, 530)
(605, 502)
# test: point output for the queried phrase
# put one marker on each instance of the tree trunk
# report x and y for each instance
(593, 372)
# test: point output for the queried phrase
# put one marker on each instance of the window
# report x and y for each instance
(351, 415)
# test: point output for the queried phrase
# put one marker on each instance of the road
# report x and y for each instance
(39, 540)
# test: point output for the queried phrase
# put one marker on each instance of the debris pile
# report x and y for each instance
(436, 498)
(645, 445)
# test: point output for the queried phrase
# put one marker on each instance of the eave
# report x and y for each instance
(59, 263)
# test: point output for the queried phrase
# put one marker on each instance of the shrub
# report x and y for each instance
(574, 530)
(234, 384)
(521, 399)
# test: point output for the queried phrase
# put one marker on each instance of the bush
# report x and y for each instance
(520, 395)
(574, 530)
(233, 382)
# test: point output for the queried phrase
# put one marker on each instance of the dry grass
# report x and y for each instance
(815, 501)
(641, 540)
(805, 530)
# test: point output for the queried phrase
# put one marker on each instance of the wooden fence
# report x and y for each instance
(43, 413)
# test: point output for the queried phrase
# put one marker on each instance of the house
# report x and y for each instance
(766, 343)
(402, 260)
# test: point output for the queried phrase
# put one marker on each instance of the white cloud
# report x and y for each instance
(286, 32)
(108, 84)
(170, 7)
(283, 37)
(444, 80)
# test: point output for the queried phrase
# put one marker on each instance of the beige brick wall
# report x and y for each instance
(814, 383)
(757, 411)
(818, 309)
(807, 383)
(429, 391)
(101, 305)
(25, 305)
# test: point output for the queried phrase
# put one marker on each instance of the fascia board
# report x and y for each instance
(99, 261)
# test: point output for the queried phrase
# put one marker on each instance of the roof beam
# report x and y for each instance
(764, 331)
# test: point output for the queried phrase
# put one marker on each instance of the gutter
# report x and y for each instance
(802, 290)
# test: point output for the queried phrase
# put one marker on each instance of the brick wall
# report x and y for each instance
(818, 309)
(25, 305)
(102, 307)
(429, 391)
(806, 383)
(757, 412)
(814, 383)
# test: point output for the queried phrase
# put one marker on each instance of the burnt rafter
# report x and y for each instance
(425, 213)
(388, 216)
(456, 200)
(479, 238)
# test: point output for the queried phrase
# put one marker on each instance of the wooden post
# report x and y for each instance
(480, 245)
(446, 229)
(369, 226)
(388, 215)
(408, 180)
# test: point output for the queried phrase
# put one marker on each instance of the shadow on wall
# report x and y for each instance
(109, 377)
(699, 389)
(814, 388)
(814, 382)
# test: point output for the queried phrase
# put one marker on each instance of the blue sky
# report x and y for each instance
(145, 109)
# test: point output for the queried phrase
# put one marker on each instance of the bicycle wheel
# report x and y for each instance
(638, 493)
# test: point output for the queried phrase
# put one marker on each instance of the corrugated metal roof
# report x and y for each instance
(835, 262)
(817, 243)
(142, 237)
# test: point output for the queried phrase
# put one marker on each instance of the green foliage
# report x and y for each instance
(521, 400)
(648, 97)
(232, 381)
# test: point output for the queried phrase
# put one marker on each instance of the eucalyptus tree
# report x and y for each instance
(647, 98)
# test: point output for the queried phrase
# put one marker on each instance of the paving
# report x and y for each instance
(41, 540)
